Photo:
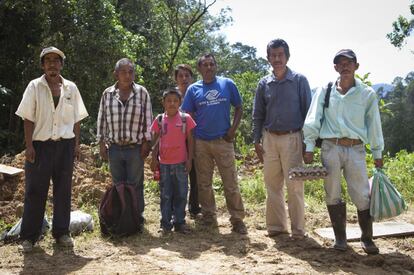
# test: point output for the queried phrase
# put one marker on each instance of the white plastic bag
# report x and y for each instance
(79, 222)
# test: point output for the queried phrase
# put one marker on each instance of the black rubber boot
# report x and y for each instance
(337, 214)
(365, 222)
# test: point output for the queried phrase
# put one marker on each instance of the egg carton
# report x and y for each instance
(307, 173)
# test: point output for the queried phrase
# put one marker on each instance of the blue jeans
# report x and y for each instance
(173, 191)
(126, 165)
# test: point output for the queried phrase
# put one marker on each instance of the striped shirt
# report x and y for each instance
(124, 123)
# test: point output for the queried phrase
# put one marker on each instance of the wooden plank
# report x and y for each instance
(381, 229)
(9, 170)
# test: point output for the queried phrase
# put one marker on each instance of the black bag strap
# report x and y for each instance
(327, 95)
(326, 100)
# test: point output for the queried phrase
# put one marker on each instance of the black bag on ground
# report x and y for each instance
(118, 212)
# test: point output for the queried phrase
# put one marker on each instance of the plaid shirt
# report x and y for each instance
(123, 124)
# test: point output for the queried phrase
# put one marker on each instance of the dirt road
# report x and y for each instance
(211, 251)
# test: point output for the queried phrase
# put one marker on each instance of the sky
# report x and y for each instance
(316, 29)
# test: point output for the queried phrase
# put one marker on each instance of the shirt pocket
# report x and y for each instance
(356, 115)
(68, 112)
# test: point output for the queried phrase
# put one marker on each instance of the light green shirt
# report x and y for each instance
(353, 115)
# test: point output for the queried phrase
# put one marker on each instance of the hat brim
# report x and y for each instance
(345, 55)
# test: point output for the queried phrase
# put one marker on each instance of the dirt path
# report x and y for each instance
(211, 251)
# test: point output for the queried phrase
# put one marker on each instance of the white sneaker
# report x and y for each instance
(65, 241)
(26, 246)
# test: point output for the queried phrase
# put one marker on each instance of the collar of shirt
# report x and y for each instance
(354, 89)
(115, 89)
(272, 78)
(43, 81)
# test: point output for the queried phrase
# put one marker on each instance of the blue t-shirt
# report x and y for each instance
(210, 104)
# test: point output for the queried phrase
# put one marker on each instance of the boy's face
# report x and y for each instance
(171, 103)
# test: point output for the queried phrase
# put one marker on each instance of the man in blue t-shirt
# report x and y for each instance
(209, 102)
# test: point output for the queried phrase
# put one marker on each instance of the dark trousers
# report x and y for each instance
(193, 205)
(53, 160)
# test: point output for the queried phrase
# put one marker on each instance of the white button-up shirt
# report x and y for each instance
(49, 122)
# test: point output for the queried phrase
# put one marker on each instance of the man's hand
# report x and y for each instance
(77, 152)
(259, 151)
(378, 163)
(154, 164)
(229, 136)
(145, 149)
(308, 157)
(103, 150)
(30, 154)
(188, 165)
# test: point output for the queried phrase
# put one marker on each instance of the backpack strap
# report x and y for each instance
(327, 95)
(159, 121)
(326, 100)
(184, 122)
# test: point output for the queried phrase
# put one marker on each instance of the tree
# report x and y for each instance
(169, 28)
(398, 128)
(402, 29)
(240, 58)
(89, 32)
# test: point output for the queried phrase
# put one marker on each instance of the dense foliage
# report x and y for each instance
(398, 124)
(157, 35)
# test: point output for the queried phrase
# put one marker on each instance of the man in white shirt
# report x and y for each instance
(52, 109)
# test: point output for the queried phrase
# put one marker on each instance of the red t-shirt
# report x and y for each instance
(173, 148)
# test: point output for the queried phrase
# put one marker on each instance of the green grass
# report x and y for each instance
(253, 189)
(400, 170)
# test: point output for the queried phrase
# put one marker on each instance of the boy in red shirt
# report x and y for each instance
(174, 157)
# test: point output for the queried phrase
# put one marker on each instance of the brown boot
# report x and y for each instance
(337, 214)
(365, 223)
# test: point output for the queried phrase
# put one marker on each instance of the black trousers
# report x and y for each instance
(53, 161)
(193, 205)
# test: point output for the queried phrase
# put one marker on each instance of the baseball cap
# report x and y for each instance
(52, 49)
(171, 91)
(345, 52)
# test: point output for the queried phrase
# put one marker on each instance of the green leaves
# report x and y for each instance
(402, 28)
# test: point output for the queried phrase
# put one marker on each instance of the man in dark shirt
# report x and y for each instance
(280, 106)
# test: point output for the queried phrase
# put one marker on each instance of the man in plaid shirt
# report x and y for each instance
(124, 121)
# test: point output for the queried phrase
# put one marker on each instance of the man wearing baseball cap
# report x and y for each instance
(351, 121)
(52, 109)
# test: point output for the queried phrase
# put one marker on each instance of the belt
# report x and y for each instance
(348, 142)
(54, 140)
(281, 133)
(124, 143)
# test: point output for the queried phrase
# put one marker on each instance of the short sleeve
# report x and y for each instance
(154, 126)
(235, 99)
(27, 107)
(188, 104)
(80, 110)
(190, 123)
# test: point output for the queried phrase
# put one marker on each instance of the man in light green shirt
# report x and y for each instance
(351, 120)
